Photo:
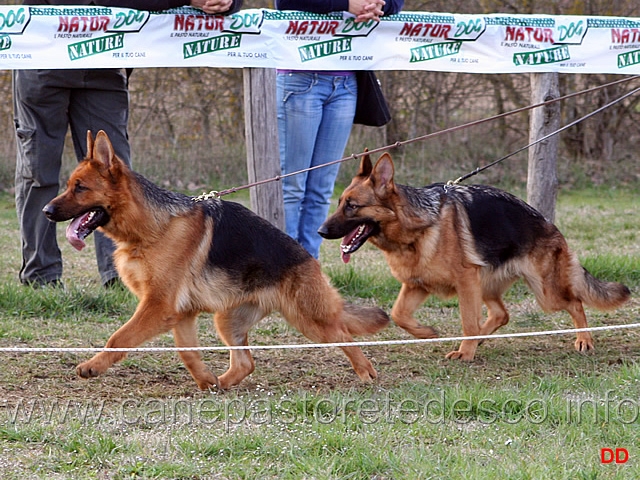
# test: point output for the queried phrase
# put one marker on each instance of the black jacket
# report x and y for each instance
(154, 5)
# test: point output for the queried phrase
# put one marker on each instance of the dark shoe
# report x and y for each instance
(114, 283)
(57, 283)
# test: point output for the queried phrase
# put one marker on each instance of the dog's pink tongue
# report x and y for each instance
(72, 233)
(346, 257)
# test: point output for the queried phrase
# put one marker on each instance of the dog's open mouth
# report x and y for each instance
(83, 225)
(354, 240)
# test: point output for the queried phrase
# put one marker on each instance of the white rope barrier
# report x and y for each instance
(313, 345)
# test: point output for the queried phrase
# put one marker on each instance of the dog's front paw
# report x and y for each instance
(460, 355)
(88, 370)
(369, 375)
(584, 345)
(209, 382)
(425, 332)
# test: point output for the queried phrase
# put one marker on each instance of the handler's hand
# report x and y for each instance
(213, 6)
(366, 10)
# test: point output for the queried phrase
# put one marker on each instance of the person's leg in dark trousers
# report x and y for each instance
(101, 104)
(40, 113)
(46, 102)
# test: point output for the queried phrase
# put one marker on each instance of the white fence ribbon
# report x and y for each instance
(374, 343)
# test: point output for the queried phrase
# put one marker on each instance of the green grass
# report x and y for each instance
(525, 408)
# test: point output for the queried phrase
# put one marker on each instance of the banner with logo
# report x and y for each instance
(55, 37)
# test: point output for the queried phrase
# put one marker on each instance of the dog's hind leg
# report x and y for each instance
(497, 315)
(318, 313)
(360, 363)
(335, 331)
(553, 282)
(185, 334)
(584, 341)
(233, 327)
(408, 301)
(553, 302)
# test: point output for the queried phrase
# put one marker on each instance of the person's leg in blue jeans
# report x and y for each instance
(299, 114)
(315, 116)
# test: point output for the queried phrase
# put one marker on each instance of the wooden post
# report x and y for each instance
(263, 152)
(542, 179)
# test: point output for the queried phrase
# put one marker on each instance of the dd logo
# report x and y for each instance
(608, 455)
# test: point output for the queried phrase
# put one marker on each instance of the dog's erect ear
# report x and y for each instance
(89, 143)
(365, 165)
(383, 176)
(102, 150)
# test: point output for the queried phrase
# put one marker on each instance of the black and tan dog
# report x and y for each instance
(471, 241)
(181, 256)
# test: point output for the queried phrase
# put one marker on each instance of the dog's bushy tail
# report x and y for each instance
(602, 295)
(361, 320)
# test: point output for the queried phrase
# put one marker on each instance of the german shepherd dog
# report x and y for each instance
(472, 241)
(181, 255)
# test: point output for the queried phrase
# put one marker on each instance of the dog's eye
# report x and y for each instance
(350, 206)
(79, 188)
